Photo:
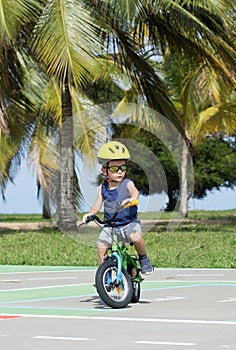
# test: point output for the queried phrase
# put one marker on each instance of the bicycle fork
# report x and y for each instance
(117, 283)
(119, 267)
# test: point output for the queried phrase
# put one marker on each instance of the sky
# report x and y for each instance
(21, 197)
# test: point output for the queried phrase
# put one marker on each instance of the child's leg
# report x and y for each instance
(140, 246)
(101, 251)
(138, 241)
(103, 243)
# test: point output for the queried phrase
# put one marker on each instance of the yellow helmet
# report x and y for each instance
(113, 150)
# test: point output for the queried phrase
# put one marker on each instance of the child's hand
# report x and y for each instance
(125, 202)
(129, 202)
(84, 220)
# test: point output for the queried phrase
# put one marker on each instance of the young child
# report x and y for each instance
(116, 188)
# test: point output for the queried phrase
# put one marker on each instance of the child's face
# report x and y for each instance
(118, 175)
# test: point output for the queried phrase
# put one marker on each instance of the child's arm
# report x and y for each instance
(96, 206)
(133, 192)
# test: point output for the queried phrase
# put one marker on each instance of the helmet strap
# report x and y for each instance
(108, 180)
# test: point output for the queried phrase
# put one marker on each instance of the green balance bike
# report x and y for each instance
(119, 277)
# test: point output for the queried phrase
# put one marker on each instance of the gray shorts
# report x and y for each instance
(123, 233)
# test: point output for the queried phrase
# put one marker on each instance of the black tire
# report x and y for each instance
(114, 296)
(136, 292)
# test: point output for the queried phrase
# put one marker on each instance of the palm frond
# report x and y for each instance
(200, 29)
(66, 41)
(220, 118)
(15, 14)
(90, 126)
(208, 104)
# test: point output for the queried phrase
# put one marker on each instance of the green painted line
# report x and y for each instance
(10, 297)
(51, 311)
(70, 291)
(76, 291)
(163, 285)
(28, 268)
(46, 293)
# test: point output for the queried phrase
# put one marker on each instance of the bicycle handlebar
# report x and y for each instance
(118, 208)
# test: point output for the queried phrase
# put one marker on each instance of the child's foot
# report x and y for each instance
(146, 267)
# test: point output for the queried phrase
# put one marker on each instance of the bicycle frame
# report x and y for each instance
(119, 252)
(119, 277)
(124, 259)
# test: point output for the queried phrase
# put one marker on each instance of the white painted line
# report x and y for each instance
(46, 287)
(62, 338)
(6, 335)
(196, 282)
(129, 319)
(94, 269)
(201, 275)
(167, 298)
(51, 278)
(192, 269)
(146, 282)
(49, 271)
(228, 300)
(163, 343)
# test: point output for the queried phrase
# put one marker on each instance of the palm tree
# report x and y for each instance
(200, 31)
(68, 57)
(16, 113)
(205, 102)
(65, 41)
(68, 40)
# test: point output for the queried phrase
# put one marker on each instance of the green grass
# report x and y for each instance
(193, 214)
(22, 218)
(45, 247)
(209, 241)
(208, 246)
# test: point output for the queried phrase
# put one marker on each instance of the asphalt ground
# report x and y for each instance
(45, 308)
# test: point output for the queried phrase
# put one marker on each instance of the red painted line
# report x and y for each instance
(3, 317)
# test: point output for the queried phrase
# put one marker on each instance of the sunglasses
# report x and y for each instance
(116, 168)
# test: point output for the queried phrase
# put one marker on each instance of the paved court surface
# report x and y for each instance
(58, 308)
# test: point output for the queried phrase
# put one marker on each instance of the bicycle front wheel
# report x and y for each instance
(114, 295)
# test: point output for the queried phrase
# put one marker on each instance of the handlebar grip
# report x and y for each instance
(90, 218)
(94, 218)
(131, 204)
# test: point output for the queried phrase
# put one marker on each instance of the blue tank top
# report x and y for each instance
(110, 199)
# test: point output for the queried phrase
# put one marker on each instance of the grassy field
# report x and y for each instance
(206, 239)
(21, 218)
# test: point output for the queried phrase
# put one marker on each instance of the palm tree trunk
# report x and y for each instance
(46, 206)
(172, 201)
(183, 208)
(66, 212)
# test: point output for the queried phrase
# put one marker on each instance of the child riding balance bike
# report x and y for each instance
(118, 191)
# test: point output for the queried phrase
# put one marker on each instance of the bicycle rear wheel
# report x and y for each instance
(136, 292)
(115, 296)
